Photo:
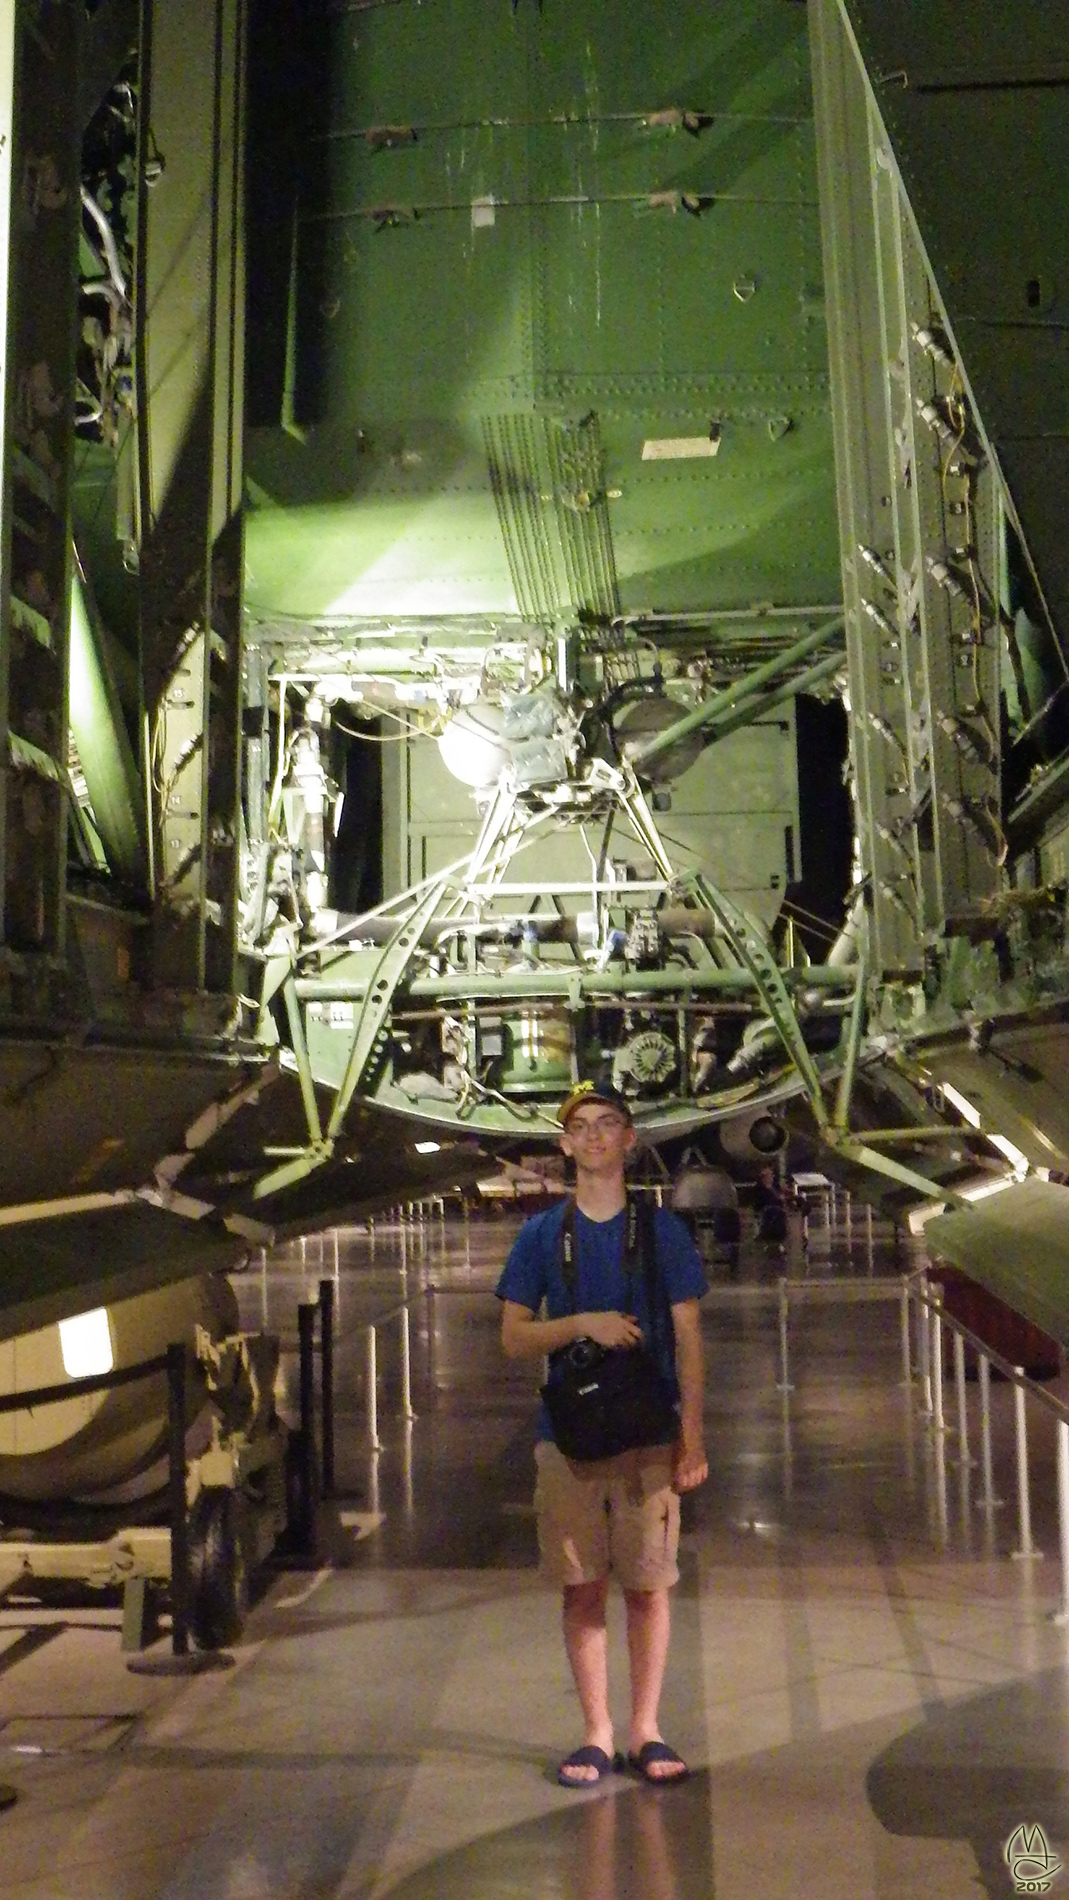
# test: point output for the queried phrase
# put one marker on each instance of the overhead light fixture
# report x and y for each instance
(427, 1147)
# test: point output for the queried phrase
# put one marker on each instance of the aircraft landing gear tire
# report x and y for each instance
(218, 1583)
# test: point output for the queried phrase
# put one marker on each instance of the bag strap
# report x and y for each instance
(640, 1251)
(656, 1299)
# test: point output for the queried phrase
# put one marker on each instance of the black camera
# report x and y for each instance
(580, 1355)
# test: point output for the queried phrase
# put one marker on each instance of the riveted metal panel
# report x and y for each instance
(507, 211)
(973, 101)
(40, 234)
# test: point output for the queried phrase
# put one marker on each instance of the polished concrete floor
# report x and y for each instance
(868, 1685)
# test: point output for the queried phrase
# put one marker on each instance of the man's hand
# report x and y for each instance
(691, 1466)
(609, 1329)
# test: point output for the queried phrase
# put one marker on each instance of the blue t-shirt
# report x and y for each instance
(532, 1273)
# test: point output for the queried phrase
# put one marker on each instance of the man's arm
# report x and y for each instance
(523, 1336)
(691, 1464)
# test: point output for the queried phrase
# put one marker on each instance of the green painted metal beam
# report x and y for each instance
(751, 949)
(754, 709)
(709, 711)
(104, 750)
(374, 1016)
(866, 1157)
(567, 980)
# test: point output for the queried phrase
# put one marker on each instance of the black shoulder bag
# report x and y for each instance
(603, 1400)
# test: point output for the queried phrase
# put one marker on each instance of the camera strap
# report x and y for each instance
(640, 1251)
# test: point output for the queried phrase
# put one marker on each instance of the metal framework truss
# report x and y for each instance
(919, 509)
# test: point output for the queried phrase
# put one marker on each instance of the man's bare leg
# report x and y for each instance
(586, 1643)
(648, 1628)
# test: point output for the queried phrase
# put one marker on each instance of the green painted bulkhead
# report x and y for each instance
(517, 226)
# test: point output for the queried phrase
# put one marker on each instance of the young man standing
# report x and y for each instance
(621, 1514)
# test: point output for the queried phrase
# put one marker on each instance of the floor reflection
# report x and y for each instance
(627, 1843)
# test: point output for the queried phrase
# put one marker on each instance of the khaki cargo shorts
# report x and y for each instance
(615, 1514)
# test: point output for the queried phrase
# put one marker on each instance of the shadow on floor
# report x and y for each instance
(981, 1769)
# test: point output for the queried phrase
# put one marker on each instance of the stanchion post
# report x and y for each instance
(784, 1362)
(371, 1380)
(939, 1450)
(326, 1382)
(937, 1360)
(986, 1464)
(1062, 1615)
(959, 1387)
(176, 1498)
(406, 1467)
(406, 1365)
(904, 1323)
(1024, 1501)
(306, 1319)
(925, 1349)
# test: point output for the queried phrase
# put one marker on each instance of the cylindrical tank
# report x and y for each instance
(698, 1188)
(752, 1137)
(706, 1199)
(641, 720)
(537, 1052)
(472, 746)
(86, 1446)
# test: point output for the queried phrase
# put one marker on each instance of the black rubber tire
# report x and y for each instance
(218, 1584)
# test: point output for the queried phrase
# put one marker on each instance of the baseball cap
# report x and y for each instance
(593, 1092)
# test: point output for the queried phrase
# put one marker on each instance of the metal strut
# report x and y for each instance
(754, 954)
(852, 1148)
(374, 1015)
(365, 1047)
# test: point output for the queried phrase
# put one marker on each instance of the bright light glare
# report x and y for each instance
(85, 1343)
(983, 1190)
(427, 1147)
(972, 1115)
(964, 1108)
(978, 1190)
(1013, 1155)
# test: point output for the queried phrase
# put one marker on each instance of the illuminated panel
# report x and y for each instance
(85, 1342)
(679, 448)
